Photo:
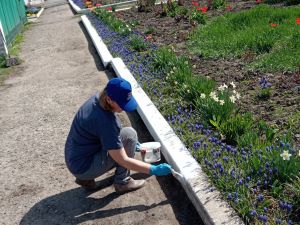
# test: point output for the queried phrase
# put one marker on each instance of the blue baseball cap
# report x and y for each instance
(120, 91)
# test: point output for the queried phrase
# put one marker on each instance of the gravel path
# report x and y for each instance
(38, 102)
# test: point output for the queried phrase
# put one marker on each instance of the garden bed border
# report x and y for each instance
(206, 199)
(75, 7)
(125, 4)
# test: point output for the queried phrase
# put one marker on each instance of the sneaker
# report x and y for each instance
(88, 185)
(132, 185)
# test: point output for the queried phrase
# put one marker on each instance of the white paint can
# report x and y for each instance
(150, 152)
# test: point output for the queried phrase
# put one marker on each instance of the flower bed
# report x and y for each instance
(252, 173)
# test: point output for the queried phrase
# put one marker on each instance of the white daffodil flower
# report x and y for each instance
(202, 96)
(221, 102)
(285, 155)
(216, 98)
(232, 98)
(212, 94)
(237, 95)
(232, 84)
(221, 88)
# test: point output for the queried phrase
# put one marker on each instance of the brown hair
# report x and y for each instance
(103, 100)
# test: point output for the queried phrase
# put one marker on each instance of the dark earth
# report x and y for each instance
(275, 110)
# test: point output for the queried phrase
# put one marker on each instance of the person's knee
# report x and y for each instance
(128, 133)
(129, 140)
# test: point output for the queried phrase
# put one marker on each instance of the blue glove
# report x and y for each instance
(160, 170)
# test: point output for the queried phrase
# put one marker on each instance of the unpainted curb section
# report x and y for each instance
(212, 209)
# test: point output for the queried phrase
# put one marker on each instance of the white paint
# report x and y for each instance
(74, 6)
(39, 13)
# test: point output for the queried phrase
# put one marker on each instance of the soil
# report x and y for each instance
(284, 99)
(60, 70)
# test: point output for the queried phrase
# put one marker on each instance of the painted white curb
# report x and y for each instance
(39, 13)
(101, 48)
(208, 204)
(212, 209)
(123, 5)
(74, 6)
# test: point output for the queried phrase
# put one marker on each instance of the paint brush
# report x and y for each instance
(177, 175)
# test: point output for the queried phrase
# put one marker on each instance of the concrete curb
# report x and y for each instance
(40, 12)
(210, 206)
(75, 7)
(122, 5)
(101, 48)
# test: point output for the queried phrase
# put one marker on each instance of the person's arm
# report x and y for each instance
(120, 157)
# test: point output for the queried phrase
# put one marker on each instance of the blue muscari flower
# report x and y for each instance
(221, 169)
(258, 183)
(265, 209)
(248, 178)
(260, 198)
(241, 181)
(225, 158)
(254, 190)
(236, 195)
(278, 221)
(263, 218)
(253, 212)
(298, 89)
(270, 171)
(233, 175)
(228, 148)
(290, 222)
(229, 197)
(289, 207)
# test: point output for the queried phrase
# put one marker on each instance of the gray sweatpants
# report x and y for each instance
(103, 162)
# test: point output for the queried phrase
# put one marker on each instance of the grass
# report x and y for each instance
(270, 33)
(13, 50)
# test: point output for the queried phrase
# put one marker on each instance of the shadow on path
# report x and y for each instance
(76, 206)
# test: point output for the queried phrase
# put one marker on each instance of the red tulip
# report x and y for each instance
(204, 9)
(298, 21)
(273, 24)
(258, 1)
(229, 8)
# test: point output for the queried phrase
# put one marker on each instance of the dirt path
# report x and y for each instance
(59, 72)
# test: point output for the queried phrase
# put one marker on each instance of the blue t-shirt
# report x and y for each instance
(93, 130)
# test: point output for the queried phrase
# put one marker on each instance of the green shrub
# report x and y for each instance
(164, 58)
(235, 126)
(137, 43)
(216, 4)
(150, 30)
(197, 16)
